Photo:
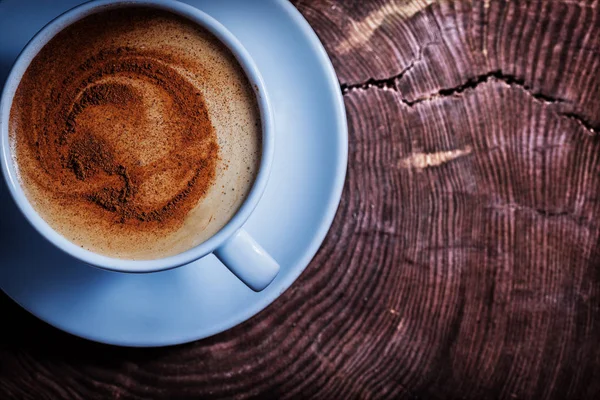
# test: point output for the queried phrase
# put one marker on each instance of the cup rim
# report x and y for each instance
(8, 162)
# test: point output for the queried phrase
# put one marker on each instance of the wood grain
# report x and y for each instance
(464, 261)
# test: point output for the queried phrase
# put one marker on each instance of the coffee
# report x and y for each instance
(136, 134)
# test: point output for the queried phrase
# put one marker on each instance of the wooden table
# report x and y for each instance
(464, 261)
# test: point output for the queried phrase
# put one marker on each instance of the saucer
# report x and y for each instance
(291, 220)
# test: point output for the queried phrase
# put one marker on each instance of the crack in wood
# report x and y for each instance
(583, 122)
(473, 83)
(387, 83)
(510, 80)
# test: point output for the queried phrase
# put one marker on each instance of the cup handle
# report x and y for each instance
(248, 261)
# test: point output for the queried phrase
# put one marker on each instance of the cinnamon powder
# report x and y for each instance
(88, 166)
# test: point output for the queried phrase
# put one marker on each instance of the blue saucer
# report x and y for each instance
(291, 221)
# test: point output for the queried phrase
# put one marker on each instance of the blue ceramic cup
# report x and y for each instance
(232, 244)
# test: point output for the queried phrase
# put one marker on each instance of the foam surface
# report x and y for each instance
(137, 134)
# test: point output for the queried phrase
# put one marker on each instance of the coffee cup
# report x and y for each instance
(232, 245)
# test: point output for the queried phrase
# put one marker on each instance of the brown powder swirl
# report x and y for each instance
(136, 133)
(92, 143)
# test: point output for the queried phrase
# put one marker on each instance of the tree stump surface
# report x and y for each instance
(464, 260)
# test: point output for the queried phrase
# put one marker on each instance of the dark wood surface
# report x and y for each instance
(464, 261)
